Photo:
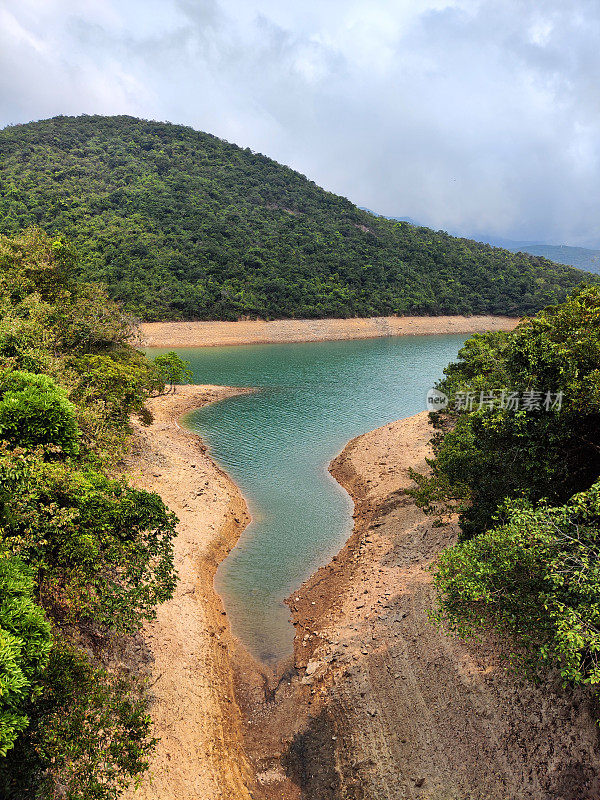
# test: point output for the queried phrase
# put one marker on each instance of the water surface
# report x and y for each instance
(277, 444)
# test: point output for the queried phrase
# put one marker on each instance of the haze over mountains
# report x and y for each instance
(581, 257)
(182, 225)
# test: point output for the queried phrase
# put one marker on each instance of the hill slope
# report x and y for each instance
(580, 257)
(180, 224)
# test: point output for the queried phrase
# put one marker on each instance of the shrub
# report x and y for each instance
(537, 577)
(487, 454)
(102, 550)
(90, 735)
(35, 411)
(24, 649)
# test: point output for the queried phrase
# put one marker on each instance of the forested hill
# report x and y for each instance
(180, 224)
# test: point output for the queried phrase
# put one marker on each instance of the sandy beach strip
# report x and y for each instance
(200, 754)
(211, 334)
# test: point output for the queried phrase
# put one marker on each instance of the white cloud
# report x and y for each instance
(467, 114)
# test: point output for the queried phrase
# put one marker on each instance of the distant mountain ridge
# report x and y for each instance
(182, 225)
(580, 257)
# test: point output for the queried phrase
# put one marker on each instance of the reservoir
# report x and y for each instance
(277, 443)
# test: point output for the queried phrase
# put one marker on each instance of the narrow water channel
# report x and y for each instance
(277, 444)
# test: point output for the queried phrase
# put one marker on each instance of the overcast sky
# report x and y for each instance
(468, 115)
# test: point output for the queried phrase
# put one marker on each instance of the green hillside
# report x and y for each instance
(182, 225)
(580, 257)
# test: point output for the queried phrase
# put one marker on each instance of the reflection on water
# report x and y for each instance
(277, 444)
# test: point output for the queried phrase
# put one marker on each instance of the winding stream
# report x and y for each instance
(277, 444)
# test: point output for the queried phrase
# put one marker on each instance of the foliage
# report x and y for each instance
(95, 554)
(72, 333)
(486, 454)
(89, 735)
(537, 576)
(173, 369)
(24, 648)
(525, 484)
(180, 224)
(35, 411)
(101, 550)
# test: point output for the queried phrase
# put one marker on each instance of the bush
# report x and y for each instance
(102, 550)
(90, 735)
(487, 454)
(35, 411)
(24, 649)
(537, 577)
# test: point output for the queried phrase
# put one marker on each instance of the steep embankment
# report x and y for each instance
(208, 334)
(200, 754)
(378, 702)
(395, 708)
(182, 225)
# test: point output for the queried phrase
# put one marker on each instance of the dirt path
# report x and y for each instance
(397, 708)
(200, 755)
(207, 334)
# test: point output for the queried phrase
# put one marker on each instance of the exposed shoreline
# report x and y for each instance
(376, 701)
(213, 334)
(395, 707)
(200, 755)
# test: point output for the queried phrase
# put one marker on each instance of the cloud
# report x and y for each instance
(471, 115)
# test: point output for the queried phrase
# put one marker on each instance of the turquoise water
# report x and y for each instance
(277, 444)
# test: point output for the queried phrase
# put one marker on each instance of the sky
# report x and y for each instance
(473, 116)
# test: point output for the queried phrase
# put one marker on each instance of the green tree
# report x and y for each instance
(525, 483)
(537, 577)
(90, 735)
(172, 369)
(101, 550)
(25, 643)
(485, 454)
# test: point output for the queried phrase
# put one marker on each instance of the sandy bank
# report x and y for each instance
(385, 705)
(208, 334)
(200, 755)
(377, 703)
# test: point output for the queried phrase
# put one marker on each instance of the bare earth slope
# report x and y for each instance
(379, 704)
(207, 334)
(399, 709)
(199, 756)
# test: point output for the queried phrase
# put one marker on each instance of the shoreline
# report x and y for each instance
(376, 701)
(287, 331)
(200, 753)
(394, 706)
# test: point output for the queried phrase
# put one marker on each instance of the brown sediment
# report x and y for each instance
(210, 334)
(377, 703)
(200, 755)
(387, 704)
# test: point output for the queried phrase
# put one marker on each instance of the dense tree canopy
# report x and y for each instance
(180, 224)
(84, 557)
(531, 449)
(517, 453)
